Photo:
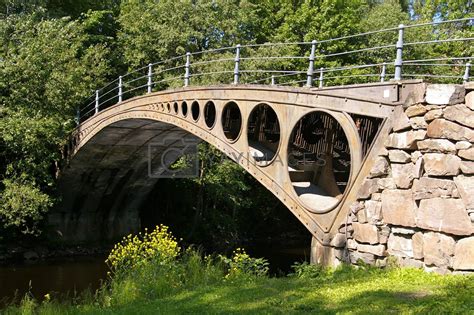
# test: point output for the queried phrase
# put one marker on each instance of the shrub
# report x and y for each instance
(242, 264)
(159, 246)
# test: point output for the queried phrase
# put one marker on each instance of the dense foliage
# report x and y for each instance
(54, 53)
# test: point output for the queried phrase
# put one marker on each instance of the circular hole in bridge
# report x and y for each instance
(184, 108)
(195, 111)
(319, 161)
(168, 107)
(175, 107)
(210, 114)
(263, 134)
(231, 121)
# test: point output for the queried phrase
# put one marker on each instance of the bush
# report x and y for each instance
(159, 246)
(242, 264)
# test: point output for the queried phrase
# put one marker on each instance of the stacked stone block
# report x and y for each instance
(417, 204)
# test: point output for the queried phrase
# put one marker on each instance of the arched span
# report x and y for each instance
(111, 150)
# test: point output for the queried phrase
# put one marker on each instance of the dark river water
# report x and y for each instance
(74, 275)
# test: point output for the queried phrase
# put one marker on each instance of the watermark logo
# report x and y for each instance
(173, 157)
(179, 157)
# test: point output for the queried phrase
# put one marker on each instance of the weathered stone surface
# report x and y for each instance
(400, 119)
(460, 114)
(438, 164)
(398, 207)
(464, 254)
(400, 246)
(406, 140)
(373, 210)
(462, 145)
(384, 233)
(444, 215)
(465, 185)
(361, 216)
(378, 250)
(418, 123)
(366, 258)
(442, 128)
(401, 230)
(380, 167)
(438, 249)
(339, 240)
(469, 101)
(417, 240)
(426, 187)
(368, 187)
(438, 270)
(377, 196)
(436, 145)
(403, 174)
(409, 262)
(467, 167)
(386, 183)
(433, 114)
(449, 94)
(398, 156)
(366, 233)
(356, 207)
(416, 110)
(351, 244)
(467, 154)
(415, 156)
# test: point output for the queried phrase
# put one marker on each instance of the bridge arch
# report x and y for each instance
(135, 120)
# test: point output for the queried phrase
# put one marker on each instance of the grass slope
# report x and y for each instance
(345, 290)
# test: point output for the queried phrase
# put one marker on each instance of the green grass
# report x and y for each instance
(344, 290)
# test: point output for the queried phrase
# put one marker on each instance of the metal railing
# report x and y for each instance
(302, 63)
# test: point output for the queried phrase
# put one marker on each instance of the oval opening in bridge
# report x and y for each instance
(175, 107)
(231, 121)
(168, 107)
(184, 109)
(263, 134)
(195, 110)
(210, 114)
(319, 161)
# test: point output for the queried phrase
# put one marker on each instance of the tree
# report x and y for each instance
(48, 68)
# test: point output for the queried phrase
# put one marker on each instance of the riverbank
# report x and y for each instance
(344, 290)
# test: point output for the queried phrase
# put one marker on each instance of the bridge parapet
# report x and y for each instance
(417, 203)
(399, 53)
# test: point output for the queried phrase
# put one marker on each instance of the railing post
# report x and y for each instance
(399, 57)
(186, 67)
(321, 77)
(96, 101)
(273, 79)
(466, 72)
(120, 90)
(383, 73)
(309, 79)
(237, 61)
(78, 116)
(150, 73)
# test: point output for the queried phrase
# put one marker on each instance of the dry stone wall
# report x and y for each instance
(417, 204)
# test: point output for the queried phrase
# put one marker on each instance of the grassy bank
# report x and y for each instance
(171, 281)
